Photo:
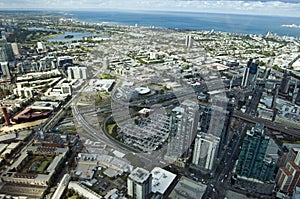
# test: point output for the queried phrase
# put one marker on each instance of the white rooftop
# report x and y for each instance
(161, 180)
(142, 90)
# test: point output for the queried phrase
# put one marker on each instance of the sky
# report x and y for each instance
(256, 7)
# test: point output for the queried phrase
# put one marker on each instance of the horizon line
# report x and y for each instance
(138, 11)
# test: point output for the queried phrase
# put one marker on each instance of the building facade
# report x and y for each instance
(288, 176)
(139, 184)
(183, 128)
(285, 83)
(205, 151)
(253, 161)
(77, 73)
(250, 73)
(6, 52)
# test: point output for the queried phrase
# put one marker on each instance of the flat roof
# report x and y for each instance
(6, 137)
(44, 105)
(19, 160)
(188, 189)
(161, 180)
(139, 175)
(3, 147)
(62, 186)
(110, 172)
(14, 145)
(54, 163)
(81, 189)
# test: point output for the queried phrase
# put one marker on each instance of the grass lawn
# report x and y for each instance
(110, 128)
(43, 166)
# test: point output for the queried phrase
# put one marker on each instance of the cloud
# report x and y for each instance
(263, 7)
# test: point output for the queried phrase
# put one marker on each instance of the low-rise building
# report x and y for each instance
(83, 190)
(188, 189)
(41, 173)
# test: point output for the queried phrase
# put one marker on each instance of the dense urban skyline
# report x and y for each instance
(150, 108)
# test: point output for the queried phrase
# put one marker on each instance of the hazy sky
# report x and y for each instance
(262, 7)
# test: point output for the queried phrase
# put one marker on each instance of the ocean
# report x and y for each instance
(245, 24)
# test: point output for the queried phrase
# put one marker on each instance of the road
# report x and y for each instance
(100, 136)
(268, 124)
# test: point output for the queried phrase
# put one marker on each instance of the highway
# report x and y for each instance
(100, 136)
(149, 160)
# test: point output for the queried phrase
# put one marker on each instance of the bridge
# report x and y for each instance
(274, 126)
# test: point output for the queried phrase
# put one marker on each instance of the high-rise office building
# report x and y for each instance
(4, 70)
(216, 119)
(205, 151)
(275, 95)
(245, 77)
(288, 176)
(189, 41)
(15, 49)
(6, 52)
(139, 184)
(183, 128)
(285, 83)
(253, 161)
(250, 73)
(7, 59)
(77, 72)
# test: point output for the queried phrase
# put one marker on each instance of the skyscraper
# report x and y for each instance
(189, 41)
(4, 70)
(250, 73)
(139, 184)
(7, 58)
(215, 120)
(15, 48)
(245, 77)
(275, 95)
(205, 151)
(77, 72)
(6, 52)
(183, 127)
(253, 161)
(285, 83)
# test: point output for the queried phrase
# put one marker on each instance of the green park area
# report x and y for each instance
(37, 164)
(43, 166)
(106, 76)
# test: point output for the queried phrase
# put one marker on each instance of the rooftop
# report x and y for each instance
(139, 175)
(161, 180)
(188, 189)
